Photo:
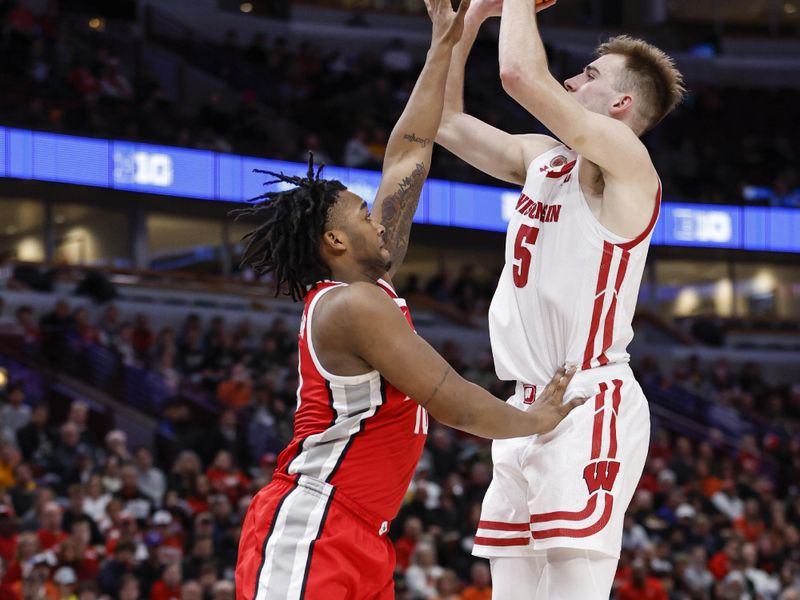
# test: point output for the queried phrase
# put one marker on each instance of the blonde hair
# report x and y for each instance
(651, 74)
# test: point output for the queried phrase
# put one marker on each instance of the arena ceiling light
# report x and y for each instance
(97, 23)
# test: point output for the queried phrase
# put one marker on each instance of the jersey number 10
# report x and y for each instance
(526, 237)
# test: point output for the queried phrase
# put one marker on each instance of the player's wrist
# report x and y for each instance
(474, 19)
(440, 50)
(534, 423)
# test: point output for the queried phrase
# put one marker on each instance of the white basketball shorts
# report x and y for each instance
(569, 488)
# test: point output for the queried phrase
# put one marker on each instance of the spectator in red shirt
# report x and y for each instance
(720, 563)
(8, 534)
(165, 527)
(198, 496)
(750, 524)
(126, 529)
(72, 554)
(27, 548)
(81, 80)
(480, 587)
(405, 544)
(226, 478)
(640, 586)
(143, 338)
(37, 583)
(707, 482)
(236, 391)
(51, 534)
(26, 322)
(661, 447)
(87, 333)
(87, 557)
(169, 586)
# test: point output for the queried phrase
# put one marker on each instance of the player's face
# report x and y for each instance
(364, 235)
(594, 87)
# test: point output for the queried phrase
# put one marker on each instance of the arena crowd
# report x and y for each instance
(83, 513)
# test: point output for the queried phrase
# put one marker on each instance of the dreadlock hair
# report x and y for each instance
(287, 242)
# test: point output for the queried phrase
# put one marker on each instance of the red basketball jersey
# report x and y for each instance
(357, 433)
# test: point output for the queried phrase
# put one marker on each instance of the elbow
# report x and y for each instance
(444, 133)
(516, 80)
(511, 77)
(520, 80)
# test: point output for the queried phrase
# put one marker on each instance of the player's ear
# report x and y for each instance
(621, 104)
(334, 240)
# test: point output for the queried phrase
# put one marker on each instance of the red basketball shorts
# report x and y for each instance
(302, 540)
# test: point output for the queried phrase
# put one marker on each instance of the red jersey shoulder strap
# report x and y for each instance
(312, 298)
(387, 287)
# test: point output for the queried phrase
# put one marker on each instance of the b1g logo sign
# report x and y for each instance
(694, 225)
(143, 168)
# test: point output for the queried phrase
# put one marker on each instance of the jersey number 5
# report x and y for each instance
(526, 237)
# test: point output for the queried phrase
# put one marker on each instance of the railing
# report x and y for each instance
(763, 16)
(700, 420)
(400, 7)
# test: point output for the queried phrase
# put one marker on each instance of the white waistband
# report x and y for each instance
(584, 383)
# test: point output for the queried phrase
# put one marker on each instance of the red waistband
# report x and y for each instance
(371, 520)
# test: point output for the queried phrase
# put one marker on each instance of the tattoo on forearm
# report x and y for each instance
(397, 212)
(438, 385)
(412, 137)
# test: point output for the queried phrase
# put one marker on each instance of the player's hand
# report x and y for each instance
(480, 10)
(545, 5)
(448, 24)
(549, 407)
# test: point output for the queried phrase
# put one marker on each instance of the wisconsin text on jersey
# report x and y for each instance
(546, 213)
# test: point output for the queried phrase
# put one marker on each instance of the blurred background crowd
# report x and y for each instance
(86, 509)
(138, 418)
(726, 144)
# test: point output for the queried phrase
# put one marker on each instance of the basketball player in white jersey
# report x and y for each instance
(576, 246)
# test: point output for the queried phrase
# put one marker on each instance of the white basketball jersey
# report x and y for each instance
(569, 286)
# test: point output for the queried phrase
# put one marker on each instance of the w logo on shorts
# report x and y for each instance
(601, 474)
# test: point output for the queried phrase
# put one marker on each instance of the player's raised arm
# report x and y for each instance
(408, 152)
(415, 368)
(487, 148)
(608, 142)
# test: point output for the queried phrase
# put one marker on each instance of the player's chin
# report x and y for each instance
(387, 263)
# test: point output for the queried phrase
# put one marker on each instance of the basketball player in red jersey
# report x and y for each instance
(551, 522)
(318, 530)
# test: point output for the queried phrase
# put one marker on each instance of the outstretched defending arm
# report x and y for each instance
(487, 148)
(408, 152)
(416, 369)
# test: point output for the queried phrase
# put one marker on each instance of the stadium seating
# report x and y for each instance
(725, 451)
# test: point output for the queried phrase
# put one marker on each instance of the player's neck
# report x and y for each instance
(351, 274)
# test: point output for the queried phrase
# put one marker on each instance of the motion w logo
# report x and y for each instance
(601, 474)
